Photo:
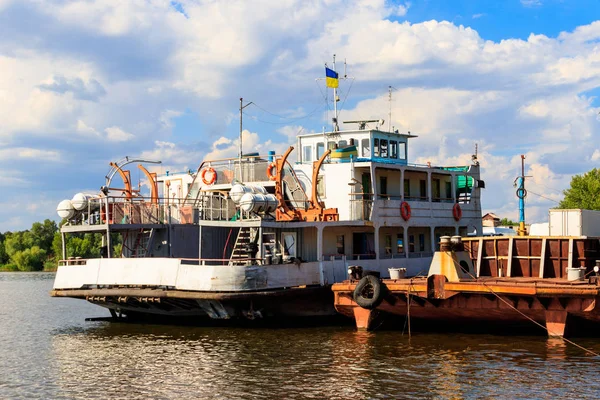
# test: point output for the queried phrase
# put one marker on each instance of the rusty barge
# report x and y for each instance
(551, 282)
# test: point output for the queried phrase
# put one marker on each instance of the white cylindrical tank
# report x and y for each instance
(272, 203)
(258, 203)
(258, 189)
(81, 200)
(238, 191)
(251, 202)
(65, 209)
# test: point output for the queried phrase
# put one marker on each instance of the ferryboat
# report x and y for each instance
(263, 235)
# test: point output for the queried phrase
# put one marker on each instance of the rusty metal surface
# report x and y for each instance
(532, 256)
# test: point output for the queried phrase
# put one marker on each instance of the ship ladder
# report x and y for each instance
(239, 254)
(142, 243)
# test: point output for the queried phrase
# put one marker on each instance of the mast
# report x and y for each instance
(240, 151)
(336, 126)
(390, 115)
(521, 194)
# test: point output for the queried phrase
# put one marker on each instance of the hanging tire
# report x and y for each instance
(368, 292)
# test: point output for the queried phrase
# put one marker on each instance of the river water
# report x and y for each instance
(49, 351)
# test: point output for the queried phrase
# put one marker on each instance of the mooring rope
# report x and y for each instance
(524, 315)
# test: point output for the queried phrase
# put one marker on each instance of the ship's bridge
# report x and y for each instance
(355, 145)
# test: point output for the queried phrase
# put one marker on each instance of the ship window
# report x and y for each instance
(448, 190)
(400, 244)
(383, 186)
(288, 242)
(321, 186)
(423, 189)
(388, 244)
(307, 154)
(375, 147)
(320, 149)
(407, 188)
(402, 150)
(411, 243)
(393, 149)
(366, 147)
(436, 188)
(331, 145)
(340, 244)
(342, 144)
(384, 148)
(421, 242)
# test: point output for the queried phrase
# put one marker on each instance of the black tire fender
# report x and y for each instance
(369, 292)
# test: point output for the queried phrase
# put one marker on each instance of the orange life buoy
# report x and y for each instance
(457, 212)
(405, 210)
(213, 176)
(272, 176)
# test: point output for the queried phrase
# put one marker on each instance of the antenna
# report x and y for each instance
(336, 126)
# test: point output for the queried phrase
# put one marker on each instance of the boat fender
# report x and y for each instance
(369, 292)
(272, 175)
(213, 175)
(457, 212)
(405, 210)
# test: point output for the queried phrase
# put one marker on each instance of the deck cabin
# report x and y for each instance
(390, 213)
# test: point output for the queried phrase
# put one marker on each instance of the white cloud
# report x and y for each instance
(27, 153)
(116, 134)
(107, 70)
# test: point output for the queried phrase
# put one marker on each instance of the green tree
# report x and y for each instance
(57, 246)
(507, 222)
(3, 256)
(30, 259)
(42, 234)
(17, 241)
(584, 192)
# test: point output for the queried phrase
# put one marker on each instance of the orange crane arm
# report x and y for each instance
(152, 182)
(126, 180)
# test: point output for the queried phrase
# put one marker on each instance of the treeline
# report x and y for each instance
(40, 248)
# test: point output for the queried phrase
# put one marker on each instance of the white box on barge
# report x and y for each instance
(574, 222)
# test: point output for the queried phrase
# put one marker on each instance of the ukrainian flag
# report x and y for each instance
(331, 78)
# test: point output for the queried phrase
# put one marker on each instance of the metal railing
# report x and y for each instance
(212, 206)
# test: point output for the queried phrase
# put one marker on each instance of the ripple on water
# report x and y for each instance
(50, 352)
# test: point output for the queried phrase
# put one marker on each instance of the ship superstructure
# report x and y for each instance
(262, 235)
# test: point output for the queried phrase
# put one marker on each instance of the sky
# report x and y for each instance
(83, 83)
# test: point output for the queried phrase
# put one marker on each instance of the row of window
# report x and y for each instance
(436, 185)
(382, 148)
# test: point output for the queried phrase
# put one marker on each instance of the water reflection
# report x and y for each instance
(48, 351)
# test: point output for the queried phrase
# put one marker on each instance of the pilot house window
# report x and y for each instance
(366, 147)
(307, 153)
(393, 149)
(384, 148)
(375, 147)
(320, 149)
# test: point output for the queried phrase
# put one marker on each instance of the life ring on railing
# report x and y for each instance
(369, 292)
(272, 176)
(213, 176)
(457, 212)
(405, 210)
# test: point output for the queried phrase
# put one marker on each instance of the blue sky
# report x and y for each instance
(87, 82)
